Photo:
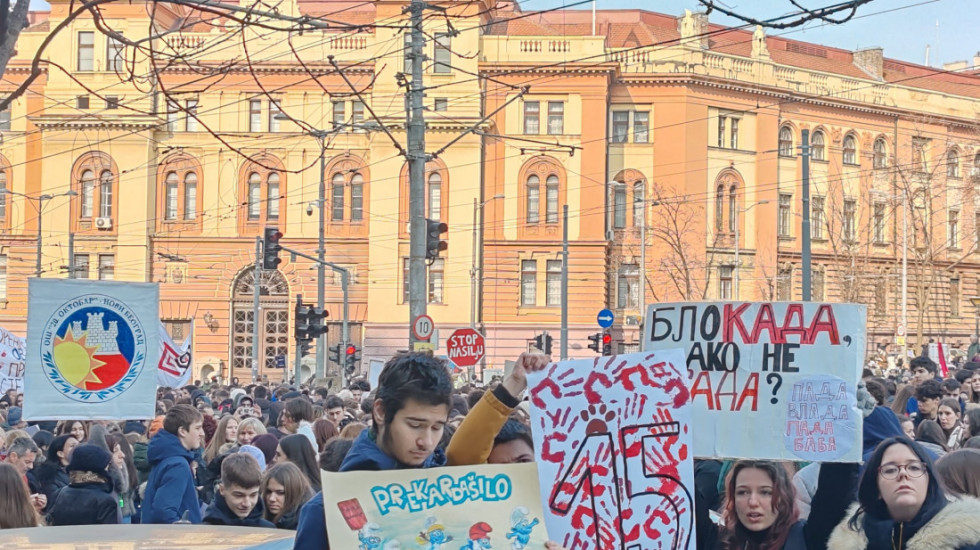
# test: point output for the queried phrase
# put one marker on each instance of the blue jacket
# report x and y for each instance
(170, 490)
(311, 533)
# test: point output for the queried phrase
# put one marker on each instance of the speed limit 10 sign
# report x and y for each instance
(422, 327)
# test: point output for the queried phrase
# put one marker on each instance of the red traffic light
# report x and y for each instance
(606, 338)
(351, 350)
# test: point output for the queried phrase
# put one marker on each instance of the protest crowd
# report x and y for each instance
(251, 456)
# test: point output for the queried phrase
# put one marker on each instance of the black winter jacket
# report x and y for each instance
(88, 500)
(52, 477)
(218, 513)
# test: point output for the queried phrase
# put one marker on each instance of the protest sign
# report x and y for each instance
(769, 380)
(92, 349)
(416, 509)
(612, 440)
(174, 368)
(12, 350)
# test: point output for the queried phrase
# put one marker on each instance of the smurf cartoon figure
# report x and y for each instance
(370, 538)
(434, 535)
(479, 537)
(520, 528)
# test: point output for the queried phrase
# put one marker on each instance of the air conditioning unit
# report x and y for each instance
(103, 223)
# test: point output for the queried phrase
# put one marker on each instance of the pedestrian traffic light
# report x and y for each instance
(335, 353)
(351, 358)
(304, 346)
(543, 343)
(309, 322)
(595, 339)
(606, 343)
(433, 238)
(271, 248)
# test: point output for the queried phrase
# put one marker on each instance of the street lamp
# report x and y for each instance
(40, 208)
(736, 213)
(476, 268)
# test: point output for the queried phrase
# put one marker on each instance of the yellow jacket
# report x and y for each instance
(473, 441)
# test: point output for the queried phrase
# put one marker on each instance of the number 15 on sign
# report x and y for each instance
(422, 327)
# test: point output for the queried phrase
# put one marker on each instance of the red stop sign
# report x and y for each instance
(465, 347)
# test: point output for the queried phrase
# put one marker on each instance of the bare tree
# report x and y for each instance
(682, 262)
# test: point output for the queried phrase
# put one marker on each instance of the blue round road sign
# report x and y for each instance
(605, 318)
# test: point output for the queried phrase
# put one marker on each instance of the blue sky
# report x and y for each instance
(902, 27)
(904, 31)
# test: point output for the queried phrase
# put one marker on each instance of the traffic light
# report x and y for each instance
(543, 342)
(595, 339)
(606, 343)
(351, 358)
(271, 248)
(309, 320)
(335, 353)
(433, 238)
(304, 346)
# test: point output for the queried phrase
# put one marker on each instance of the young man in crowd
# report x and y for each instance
(928, 394)
(237, 501)
(171, 493)
(333, 410)
(21, 454)
(922, 369)
(297, 418)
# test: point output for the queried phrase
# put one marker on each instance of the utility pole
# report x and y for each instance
(807, 269)
(255, 308)
(71, 254)
(417, 288)
(564, 282)
(321, 342)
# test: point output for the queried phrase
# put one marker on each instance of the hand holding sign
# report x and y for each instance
(516, 381)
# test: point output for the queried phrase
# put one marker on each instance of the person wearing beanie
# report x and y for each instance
(256, 454)
(15, 418)
(89, 498)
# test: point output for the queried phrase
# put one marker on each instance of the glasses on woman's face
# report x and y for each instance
(912, 469)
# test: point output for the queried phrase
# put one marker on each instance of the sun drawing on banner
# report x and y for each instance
(76, 360)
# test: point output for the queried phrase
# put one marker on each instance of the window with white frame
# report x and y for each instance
(628, 287)
(86, 51)
(529, 282)
(553, 282)
(785, 214)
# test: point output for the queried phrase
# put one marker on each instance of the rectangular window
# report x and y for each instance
(86, 51)
(734, 140)
(275, 113)
(88, 196)
(532, 111)
(556, 117)
(190, 196)
(3, 277)
(115, 54)
(620, 126)
(785, 203)
(784, 285)
(879, 222)
(725, 282)
(172, 114)
(81, 266)
(533, 199)
(254, 199)
(553, 296)
(111, 102)
(529, 282)
(434, 207)
(850, 219)
(272, 209)
(107, 267)
(816, 217)
(628, 287)
(339, 117)
(641, 127)
(356, 200)
(816, 286)
(954, 297)
(619, 207)
(721, 131)
(954, 228)
(81, 102)
(190, 120)
(441, 57)
(255, 115)
(441, 104)
(436, 271)
(551, 200)
(356, 112)
(105, 196)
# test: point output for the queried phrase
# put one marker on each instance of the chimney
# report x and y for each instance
(871, 61)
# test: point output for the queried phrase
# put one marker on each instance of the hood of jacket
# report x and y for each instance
(879, 426)
(166, 445)
(952, 528)
(366, 455)
(83, 478)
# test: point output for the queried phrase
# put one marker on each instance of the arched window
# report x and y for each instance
(434, 194)
(551, 184)
(533, 198)
(254, 196)
(357, 198)
(170, 200)
(273, 196)
(879, 153)
(337, 197)
(785, 141)
(88, 193)
(639, 202)
(953, 164)
(190, 196)
(818, 146)
(720, 208)
(850, 150)
(347, 191)
(105, 194)
(732, 205)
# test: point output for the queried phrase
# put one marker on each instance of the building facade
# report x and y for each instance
(673, 144)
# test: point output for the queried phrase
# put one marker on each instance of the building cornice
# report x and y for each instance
(102, 122)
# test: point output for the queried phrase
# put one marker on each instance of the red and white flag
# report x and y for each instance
(174, 370)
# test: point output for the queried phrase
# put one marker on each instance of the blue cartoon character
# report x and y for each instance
(479, 537)
(520, 528)
(369, 536)
(434, 535)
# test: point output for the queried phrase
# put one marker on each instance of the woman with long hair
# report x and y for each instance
(16, 509)
(285, 489)
(122, 460)
(760, 510)
(950, 422)
(52, 474)
(226, 432)
(959, 472)
(902, 506)
(931, 437)
(324, 430)
(74, 428)
(296, 448)
(901, 402)
(971, 423)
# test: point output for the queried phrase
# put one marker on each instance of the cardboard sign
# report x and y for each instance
(12, 361)
(769, 380)
(463, 507)
(612, 438)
